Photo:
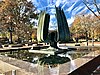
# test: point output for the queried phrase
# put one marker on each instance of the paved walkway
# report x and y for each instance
(84, 44)
(63, 69)
(81, 61)
(5, 67)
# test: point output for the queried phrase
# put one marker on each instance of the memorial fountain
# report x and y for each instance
(62, 34)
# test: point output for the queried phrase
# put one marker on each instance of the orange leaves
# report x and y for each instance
(83, 23)
(76, 21)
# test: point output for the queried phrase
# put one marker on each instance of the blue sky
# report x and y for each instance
(71, 8)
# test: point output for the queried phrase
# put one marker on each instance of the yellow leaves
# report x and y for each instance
(76, 21)
(7, 4)
(83, 23)
(76, 24)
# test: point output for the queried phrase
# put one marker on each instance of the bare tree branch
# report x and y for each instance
(91, 10)
(98, 9)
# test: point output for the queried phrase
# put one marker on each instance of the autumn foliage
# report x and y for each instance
(85, 24)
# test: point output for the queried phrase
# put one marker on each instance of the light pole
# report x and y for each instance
(93, 28)
(93, 38)
(28, 36)
(85, 26)
(10, 29)
(87, 37)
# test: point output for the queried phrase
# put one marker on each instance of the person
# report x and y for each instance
(19, 40)
(0, 45)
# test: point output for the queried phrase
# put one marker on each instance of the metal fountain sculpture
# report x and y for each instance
(61, 35)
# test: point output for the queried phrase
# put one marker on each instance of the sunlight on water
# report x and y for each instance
(54, 71)
(72, 66)
(72, 63)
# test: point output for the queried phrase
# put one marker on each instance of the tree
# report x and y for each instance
(86, 25)
(96, 4)
(76, 28)
(18, 14)
(96, 27)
